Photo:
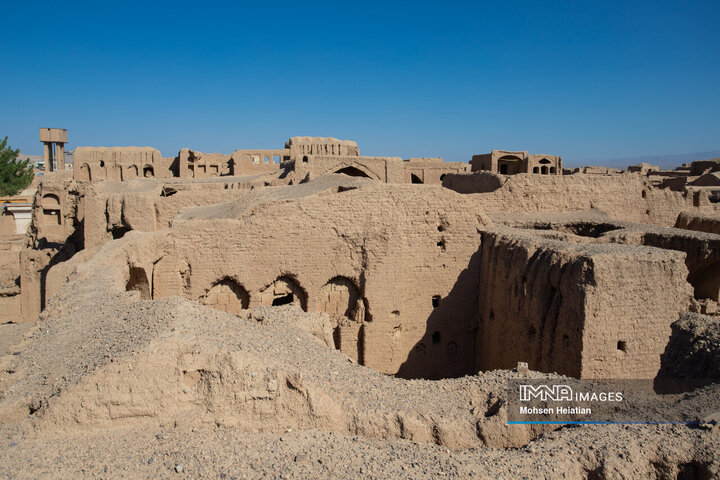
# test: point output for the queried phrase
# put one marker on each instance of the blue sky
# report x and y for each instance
(586, 80)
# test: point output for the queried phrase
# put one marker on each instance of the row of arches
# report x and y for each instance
(338, 297)
(511, 165)
(118, 173)
(544, 170)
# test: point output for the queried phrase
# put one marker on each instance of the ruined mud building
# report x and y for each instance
(426, 268)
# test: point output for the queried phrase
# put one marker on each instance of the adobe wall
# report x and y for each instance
(298, 146)
(118, 163)
(7, 224)
(112, 209)
(590, 311)
(638, 293)
(626, 197)
(10, 248)
(253, 162)
(409, 252)
(194, 164)
(699, 222)
(431, 171)
(385, 169)
(57, 210)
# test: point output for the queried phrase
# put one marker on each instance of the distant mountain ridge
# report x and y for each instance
(664, 161)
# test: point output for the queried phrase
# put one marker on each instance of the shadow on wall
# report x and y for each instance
(138, 282)
(62, 253)
(447, 348)
(691, 359)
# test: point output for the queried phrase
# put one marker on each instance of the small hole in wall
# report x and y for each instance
(441, 244)
(102, 163)
(441, 228)
(305, 159)
(647, 212)
(436, 338)
(622, 345)
(435, 301)
(644, 194)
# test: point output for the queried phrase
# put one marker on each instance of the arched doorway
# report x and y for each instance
(510, 165)
(148, 171)
(352, 172)
(226, 295)
(85, 173)
(339, 297)
(138, 282)
(283, 291)
(51, 214)
(544, 166)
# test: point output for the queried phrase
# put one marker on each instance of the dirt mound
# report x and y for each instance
(694, 348)
(112, 361)
(109, 385)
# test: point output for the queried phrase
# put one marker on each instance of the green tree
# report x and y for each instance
(15, 175)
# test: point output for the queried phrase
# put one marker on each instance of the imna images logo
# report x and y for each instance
(554, 393)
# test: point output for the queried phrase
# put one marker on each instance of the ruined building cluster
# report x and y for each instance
(426, 268)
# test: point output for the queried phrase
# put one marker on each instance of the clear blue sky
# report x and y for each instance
(585, 79)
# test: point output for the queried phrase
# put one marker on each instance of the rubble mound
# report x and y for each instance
(694, 348)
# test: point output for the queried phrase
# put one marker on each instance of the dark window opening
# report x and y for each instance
(168, 191)
(435, 301)
(102, 164)
(119, 232)
(436, 338)
(503, 169)
(622, 346)
(284, 300)
(415, 179)
(353, 172)
(305, 159)
(536, 170)
(51, 216)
